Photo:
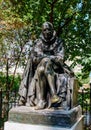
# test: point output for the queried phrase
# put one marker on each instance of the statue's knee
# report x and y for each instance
(45, 66)
(40, 70)
(45, 60)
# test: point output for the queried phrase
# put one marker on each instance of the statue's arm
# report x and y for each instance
(37, 53)
(58, 53)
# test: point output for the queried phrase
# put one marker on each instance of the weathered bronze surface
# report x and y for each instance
(46, 79)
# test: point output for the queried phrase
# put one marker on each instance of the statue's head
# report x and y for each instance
(47, 30)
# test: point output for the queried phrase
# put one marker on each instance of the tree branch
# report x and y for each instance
(54, 1)
(48, 2)
(67, 21)
(52, 5)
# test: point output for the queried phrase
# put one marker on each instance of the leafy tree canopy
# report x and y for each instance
(71, 20)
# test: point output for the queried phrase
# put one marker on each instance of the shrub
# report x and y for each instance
(7, 84)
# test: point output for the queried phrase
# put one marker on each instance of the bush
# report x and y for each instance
(82, 78)
(4, 84)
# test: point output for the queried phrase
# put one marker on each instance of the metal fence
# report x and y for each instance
(84, 99)
(9, 99)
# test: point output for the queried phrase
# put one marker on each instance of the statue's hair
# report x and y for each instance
(48, 23)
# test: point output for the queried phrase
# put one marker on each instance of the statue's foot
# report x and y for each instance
(41, 105)
(30, 104)
(56, 99)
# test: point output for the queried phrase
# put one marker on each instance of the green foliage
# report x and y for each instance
(86, 62)
(4, 84)
(84, 94)
(16, 82)
(83, 78)
(2, 80)
(86, 69)
(71, 20)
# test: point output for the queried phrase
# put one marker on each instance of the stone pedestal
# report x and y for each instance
(26, 118)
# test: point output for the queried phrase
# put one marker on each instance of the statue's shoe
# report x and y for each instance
(56, 99)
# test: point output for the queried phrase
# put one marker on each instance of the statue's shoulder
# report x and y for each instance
(60, 42)
(38, 41)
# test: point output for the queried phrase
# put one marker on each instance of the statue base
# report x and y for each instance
(23, 117)
(19, 126)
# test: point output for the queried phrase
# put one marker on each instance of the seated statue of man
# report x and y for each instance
(44, 82)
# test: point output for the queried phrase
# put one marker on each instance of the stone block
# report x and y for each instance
(46, 117)
(20, 126)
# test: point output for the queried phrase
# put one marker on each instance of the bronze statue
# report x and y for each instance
(45, 79)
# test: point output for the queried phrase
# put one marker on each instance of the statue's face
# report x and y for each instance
(47, 31)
